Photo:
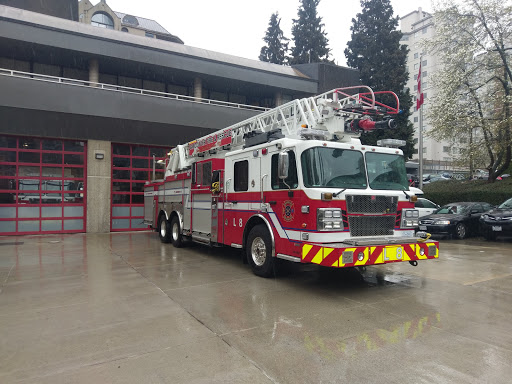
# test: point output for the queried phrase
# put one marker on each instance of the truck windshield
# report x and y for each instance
(386, 171)
(333, 168)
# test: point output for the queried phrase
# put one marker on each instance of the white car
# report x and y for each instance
(418, 192)
(425, 206)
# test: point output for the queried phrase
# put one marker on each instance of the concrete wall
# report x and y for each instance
(98, 186)
(40, 108)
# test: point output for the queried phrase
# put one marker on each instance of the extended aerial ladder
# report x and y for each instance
(335, 115)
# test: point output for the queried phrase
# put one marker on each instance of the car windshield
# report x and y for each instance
(333, 168)
(506, 205)
(453, 209)
(386, 171)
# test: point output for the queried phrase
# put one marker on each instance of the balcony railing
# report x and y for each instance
(119, 88)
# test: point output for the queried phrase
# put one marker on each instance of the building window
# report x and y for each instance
(124, 29)
(425, 85)
(415, 66)
(415, 77)
(424, 73)
(424, 30)
(424, 63)
(446, 149)
(416, 55)
(149, 34)
(102, 20)
(415, 119)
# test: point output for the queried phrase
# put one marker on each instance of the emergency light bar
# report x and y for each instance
(391, 143)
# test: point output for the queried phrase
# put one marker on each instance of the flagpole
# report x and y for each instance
(420, 149)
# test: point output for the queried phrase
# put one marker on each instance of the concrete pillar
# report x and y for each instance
(94, 71)
(279, 98)
(99, 160)
(198, 88)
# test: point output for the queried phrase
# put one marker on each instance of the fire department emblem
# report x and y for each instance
(288, 210)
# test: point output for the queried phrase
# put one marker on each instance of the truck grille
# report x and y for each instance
(371, 204)
(371, 225)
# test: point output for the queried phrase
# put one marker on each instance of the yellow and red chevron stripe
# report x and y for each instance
(380, 254)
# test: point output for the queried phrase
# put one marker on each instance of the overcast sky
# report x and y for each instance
(237, 27)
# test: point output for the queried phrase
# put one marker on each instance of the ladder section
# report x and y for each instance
(327, 112)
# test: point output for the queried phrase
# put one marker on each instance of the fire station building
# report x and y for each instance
(92, 99)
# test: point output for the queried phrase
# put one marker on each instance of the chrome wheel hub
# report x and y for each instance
(258, 251)
(175, 232)
(163, 228)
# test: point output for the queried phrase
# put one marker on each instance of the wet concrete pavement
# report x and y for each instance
(124, 308)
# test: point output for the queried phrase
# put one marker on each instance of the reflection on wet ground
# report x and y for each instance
(126, 308)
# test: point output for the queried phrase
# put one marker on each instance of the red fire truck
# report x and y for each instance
(295, 183)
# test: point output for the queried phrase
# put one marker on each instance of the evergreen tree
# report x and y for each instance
(277, 45)
(375, 50)
(309, 38)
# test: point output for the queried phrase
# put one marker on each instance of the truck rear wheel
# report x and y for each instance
(177, 238)
(164, 230)
(259, 252)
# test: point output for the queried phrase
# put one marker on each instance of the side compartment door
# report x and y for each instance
(150, 203)
(242, 195)
(201, 198)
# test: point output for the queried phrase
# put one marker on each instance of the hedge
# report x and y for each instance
(451, 191)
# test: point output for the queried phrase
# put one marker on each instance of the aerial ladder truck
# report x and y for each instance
(295, 183)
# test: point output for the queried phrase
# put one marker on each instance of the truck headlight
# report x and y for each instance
(409, 218)
(329, 219)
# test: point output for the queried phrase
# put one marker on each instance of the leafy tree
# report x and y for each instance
(474, 88)
(375, 50)
(309, 38)
(277, 45)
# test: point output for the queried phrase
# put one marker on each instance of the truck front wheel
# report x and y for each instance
(259, 252)
(164, 230)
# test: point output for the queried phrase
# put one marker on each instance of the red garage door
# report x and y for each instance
(132, 167)
(42, 185)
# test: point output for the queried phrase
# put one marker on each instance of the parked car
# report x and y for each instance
(498, 221)
(456, 219)
(433, 179)
(416, 191)
(425, 206)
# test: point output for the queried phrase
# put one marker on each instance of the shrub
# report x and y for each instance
(451, 191)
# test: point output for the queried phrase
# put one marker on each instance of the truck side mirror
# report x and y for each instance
(283, 165)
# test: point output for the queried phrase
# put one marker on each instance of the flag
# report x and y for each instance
(419, 97)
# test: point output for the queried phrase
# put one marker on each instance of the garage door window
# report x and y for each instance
(132, 167)
(42, 185)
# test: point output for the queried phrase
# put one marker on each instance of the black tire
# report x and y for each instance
(164, 230)
(175, 232)
(259, 252)
(461, 231)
